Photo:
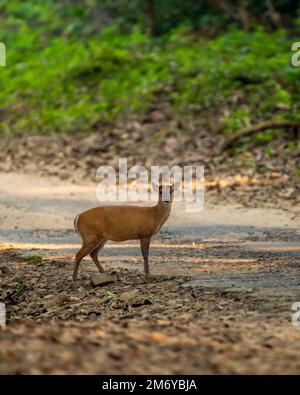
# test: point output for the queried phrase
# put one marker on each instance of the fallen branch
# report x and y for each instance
(257, 128)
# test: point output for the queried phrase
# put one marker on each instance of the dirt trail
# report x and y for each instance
(219, 301)
(29, 202)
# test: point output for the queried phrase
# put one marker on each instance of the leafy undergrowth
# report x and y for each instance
(65, 76)
(64, 84)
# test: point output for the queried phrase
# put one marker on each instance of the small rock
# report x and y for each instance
(4, 270)
(92, 310)
(142, 302)
(102, 279)
(129, 295)
(287, 193)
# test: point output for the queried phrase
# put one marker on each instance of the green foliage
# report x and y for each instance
(34, 260)
(17, 285)
(63, 76)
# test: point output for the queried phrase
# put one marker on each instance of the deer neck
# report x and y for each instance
(163, 210)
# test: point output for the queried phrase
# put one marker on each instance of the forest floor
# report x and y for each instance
(219, 299)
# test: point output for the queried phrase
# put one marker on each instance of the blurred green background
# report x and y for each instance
(75, 65)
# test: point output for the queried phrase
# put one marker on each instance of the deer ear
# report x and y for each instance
(155, 187)
(176, 186)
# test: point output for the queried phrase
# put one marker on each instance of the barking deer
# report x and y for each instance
(120, 223)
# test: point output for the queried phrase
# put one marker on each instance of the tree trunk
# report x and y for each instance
(154, 29)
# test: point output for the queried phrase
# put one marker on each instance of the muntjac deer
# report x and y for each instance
(120, 223)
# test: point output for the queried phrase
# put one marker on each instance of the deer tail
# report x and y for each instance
(75, 223)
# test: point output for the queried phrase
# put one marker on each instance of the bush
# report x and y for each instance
(63, 83)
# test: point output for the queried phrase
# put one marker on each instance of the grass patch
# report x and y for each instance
(34, 260)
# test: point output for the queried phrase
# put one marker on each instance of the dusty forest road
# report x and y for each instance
(219, 300)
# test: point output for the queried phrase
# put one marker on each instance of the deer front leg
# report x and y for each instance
(145, 244)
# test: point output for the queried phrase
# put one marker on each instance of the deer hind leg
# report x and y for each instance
(94, 255)
(145, 244)
(87, 247)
